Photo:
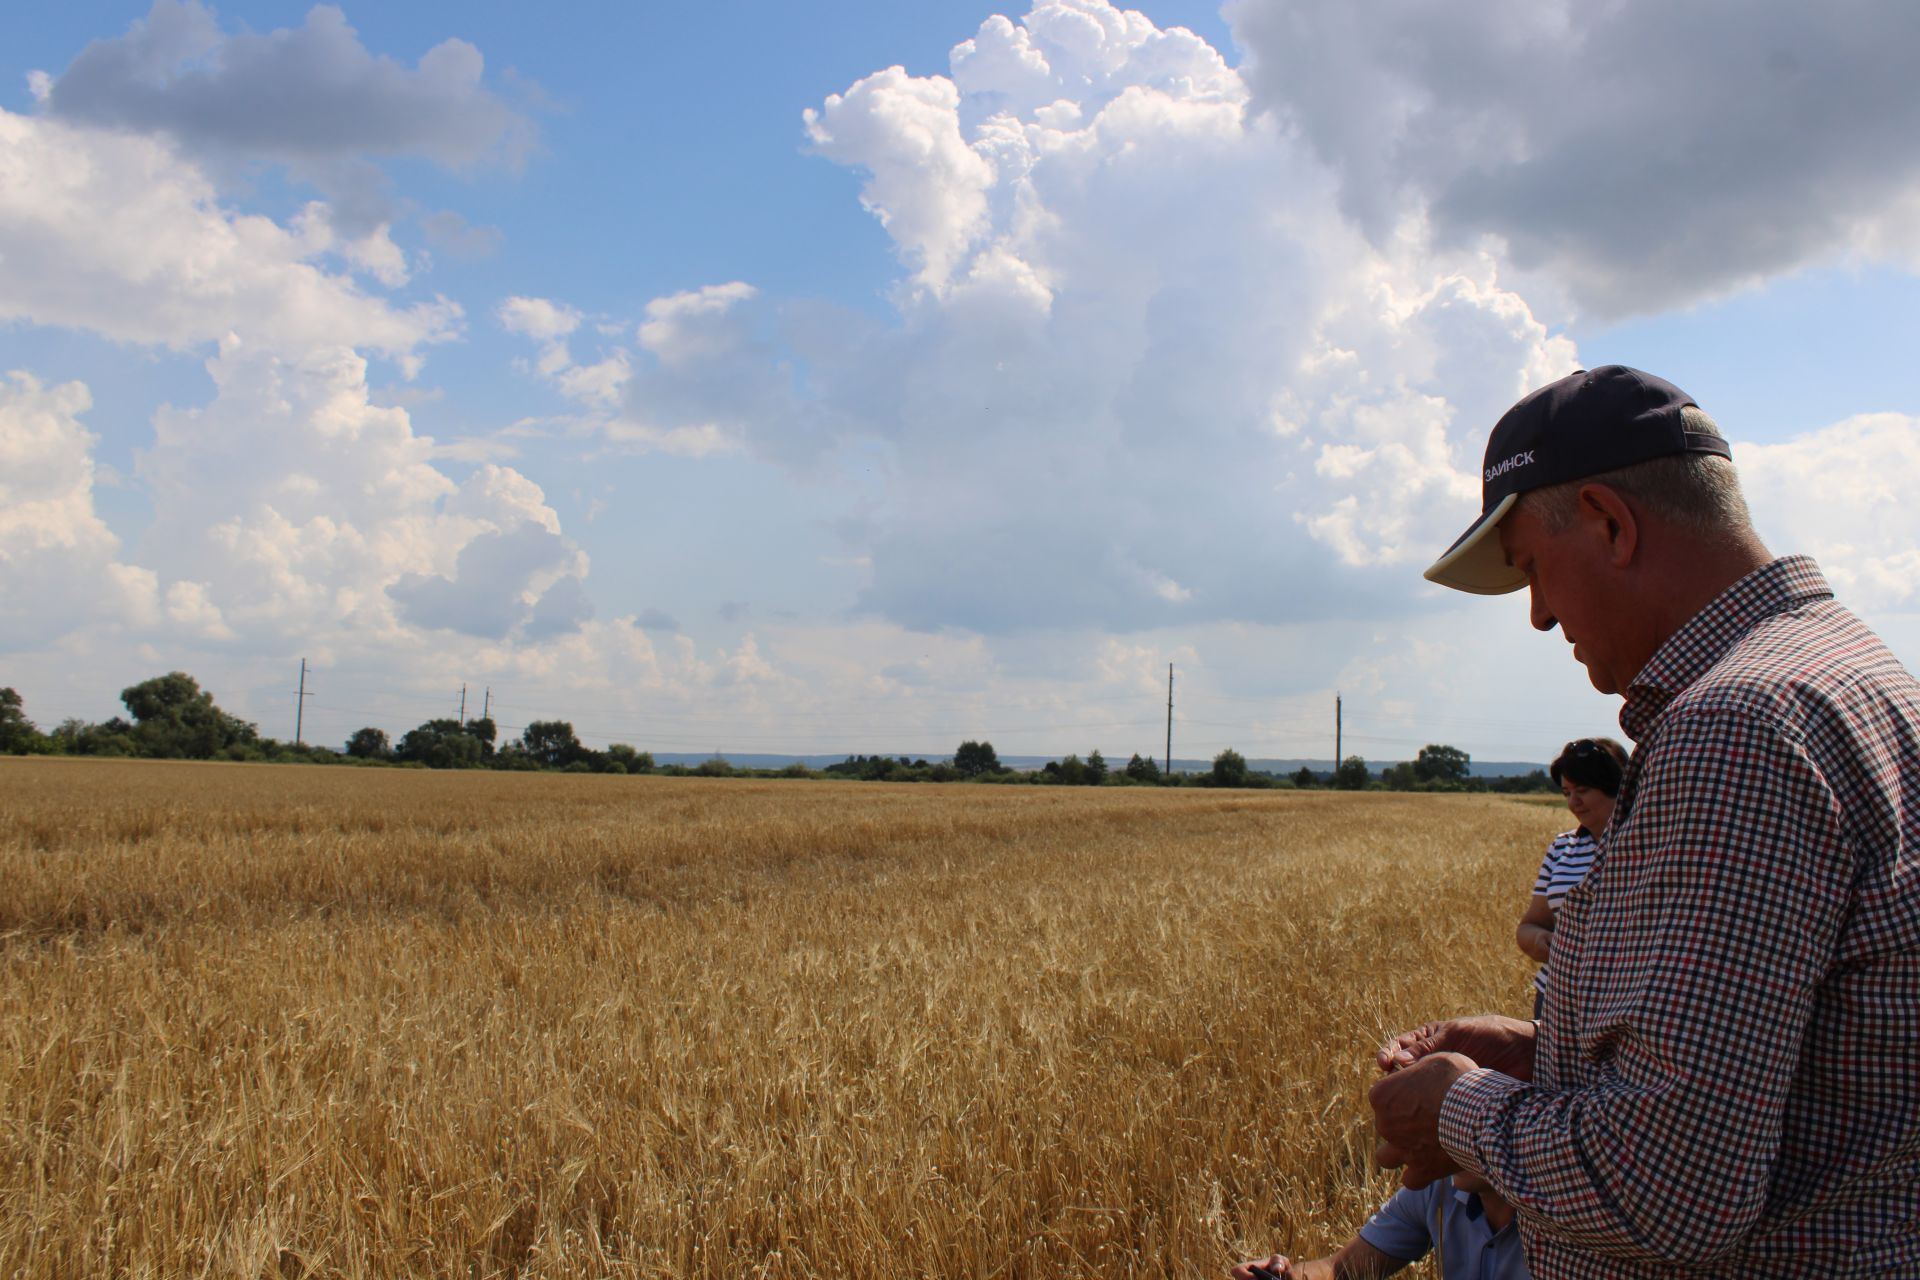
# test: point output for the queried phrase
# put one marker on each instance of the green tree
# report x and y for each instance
(633, 761)
(1096, 768)
(851, 767)
(552, 743)
(1229, 770)
(369, 744)
(976, 758)
(1068, 772)
(18, 735)
(1142, 768)
(1304, 777)
(76, 737)
(1439, 763)
(513, 759)
(1534, 781)
(1351, 775)
(175, 719)
(1400, 777)
(484, 731)
(441, 744)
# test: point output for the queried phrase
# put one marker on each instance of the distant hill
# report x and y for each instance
(752, 760)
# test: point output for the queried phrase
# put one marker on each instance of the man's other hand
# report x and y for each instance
(1406, 1117)
(1504, 1044)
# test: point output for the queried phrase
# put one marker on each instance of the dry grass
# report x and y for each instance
(297, 1022)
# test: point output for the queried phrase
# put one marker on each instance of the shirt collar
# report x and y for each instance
(1476, 1211)
(1689, 653)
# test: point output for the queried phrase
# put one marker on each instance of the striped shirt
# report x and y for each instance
(1565, 866)
(1727, 1073)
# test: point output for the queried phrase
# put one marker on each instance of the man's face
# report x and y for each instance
(1564, 581)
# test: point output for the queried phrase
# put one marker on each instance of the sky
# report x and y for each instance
(866, 377)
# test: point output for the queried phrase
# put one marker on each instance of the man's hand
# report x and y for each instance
(1406, 1116)
(1504, 1044)
(1278, 1267)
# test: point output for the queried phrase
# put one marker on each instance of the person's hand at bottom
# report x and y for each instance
(1270, 1268)
(1505, 1044)
(1406, 1117)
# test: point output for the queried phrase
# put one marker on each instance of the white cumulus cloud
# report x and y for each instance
(1144, 367)
(59, 563)
(1844, 494)
(928, 186)
(538, 318)
(119, 235)
(306, 510)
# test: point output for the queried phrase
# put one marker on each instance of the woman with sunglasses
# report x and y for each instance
(1587, 772)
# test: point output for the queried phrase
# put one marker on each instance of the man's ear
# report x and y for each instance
(1610, 518)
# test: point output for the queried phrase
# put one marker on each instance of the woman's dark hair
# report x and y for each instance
(1590, 762)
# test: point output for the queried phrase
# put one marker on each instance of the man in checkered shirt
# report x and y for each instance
(1725, 1080)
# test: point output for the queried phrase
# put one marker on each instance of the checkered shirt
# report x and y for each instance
(1727, 1075)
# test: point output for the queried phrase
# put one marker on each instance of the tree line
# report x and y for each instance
(171, 717)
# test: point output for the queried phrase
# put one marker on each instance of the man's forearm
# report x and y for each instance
(1556, 1151)
(1358, 1260)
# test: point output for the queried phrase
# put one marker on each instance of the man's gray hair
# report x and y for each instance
(1699, 492)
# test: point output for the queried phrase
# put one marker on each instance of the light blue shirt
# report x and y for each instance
(1470, 1248)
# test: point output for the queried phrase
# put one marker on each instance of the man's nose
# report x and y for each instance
(1543, 619)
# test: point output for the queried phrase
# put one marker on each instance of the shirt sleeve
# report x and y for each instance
(1545, 878)
(1692, 992)
(1403, 1228)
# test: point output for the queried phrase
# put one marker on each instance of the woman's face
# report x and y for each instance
(1590, 805)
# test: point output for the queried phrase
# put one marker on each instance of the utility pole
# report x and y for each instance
(486, 704)
(1337, 757)
(300, 704)
(463, 706)
(1169, 719)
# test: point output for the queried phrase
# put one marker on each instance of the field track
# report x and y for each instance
(285, 1021)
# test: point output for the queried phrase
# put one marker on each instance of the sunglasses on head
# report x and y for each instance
(1584, 747)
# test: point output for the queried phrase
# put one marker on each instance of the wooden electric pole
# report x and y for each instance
(1169, 720)
(300, 704)
(1337, 757)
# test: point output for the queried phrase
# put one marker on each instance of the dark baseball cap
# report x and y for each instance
(1589, 422)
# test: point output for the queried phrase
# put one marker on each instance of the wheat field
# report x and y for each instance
(291, 1022)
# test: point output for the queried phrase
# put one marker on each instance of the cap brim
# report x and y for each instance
(1476, 562)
